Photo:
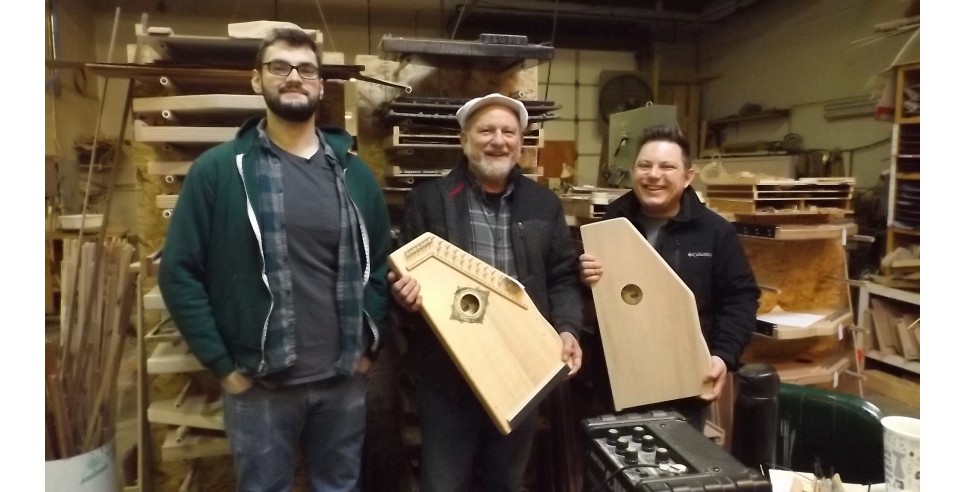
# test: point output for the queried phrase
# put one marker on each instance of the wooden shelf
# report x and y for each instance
(763, 115)
(907, 90)
(794, 232)
(870, 322)
(183, 134)
(194, 411)
(153, 299)
(169, 357)
(531, 140)
(894, 360)
(831, 324)
(444, 52)
(200, 104)
(891, 293)
(904, 170)
(193, 445)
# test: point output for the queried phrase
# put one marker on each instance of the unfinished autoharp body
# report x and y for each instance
(505, 349)
(648, 319)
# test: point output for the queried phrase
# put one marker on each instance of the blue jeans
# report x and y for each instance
(266, 428)
(455, 429)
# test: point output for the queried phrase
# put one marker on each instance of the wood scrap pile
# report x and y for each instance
(895, 329)
(81, 369)
(900, 269)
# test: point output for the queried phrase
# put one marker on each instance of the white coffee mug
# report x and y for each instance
(901, 446)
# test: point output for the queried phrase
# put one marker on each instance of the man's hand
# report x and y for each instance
(571, 355)
(590, 269)
(718, 374)
(235, 383)
(363, 366)
(405, 291)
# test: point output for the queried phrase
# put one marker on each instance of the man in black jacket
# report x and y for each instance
(698, 244)
(487, 207)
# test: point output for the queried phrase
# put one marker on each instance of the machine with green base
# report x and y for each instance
(624, 137)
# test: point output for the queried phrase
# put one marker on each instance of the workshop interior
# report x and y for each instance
(802, 120)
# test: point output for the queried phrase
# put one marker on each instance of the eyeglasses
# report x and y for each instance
(282, 69)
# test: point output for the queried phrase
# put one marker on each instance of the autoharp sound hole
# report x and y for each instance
(470, 305)
(632, 294)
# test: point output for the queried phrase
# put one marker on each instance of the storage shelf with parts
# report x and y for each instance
(805, 308)
(903, 205)
(888, 326)
(750, 195)
(492, 51)
(194, 414)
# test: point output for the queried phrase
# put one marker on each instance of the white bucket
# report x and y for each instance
(94, 471)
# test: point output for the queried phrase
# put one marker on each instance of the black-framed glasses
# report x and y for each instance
(282, 69)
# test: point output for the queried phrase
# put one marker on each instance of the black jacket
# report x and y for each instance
(546, 260)
(703, 249)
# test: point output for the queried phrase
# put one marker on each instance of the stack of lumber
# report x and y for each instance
(895, 330)
(81, 369)
(900, 269)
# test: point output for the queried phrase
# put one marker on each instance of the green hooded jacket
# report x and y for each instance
(212, 275)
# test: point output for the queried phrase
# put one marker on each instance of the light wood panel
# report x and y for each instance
(183, 134)
(506, 350)
(648, 319)
(200, 410)
(170, 357)
(190, 444)
(201, 104)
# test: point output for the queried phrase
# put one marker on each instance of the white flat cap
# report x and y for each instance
(464, 113)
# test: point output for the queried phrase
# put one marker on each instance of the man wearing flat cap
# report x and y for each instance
(486, 206)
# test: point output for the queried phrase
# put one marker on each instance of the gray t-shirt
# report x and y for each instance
(312, 231)
(652, 228)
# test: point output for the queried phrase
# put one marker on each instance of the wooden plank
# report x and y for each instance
(168, 168)
(399, 171)
(193, 445)
(169, 357)
(882, 322)
(166, 201)
(398, 139)
(892, 386)
(832, 323)
(165, 330)
(795, 231)
(153, 299)
(648, 318)
(894, 360)
(813, 371)
(907, 341)
(183, 134)
(201, 104)
(505, 349)
(200, 410)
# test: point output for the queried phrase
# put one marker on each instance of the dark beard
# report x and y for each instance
(294, 113)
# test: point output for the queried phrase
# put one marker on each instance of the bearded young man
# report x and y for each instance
(274, 271)
(487, 207)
